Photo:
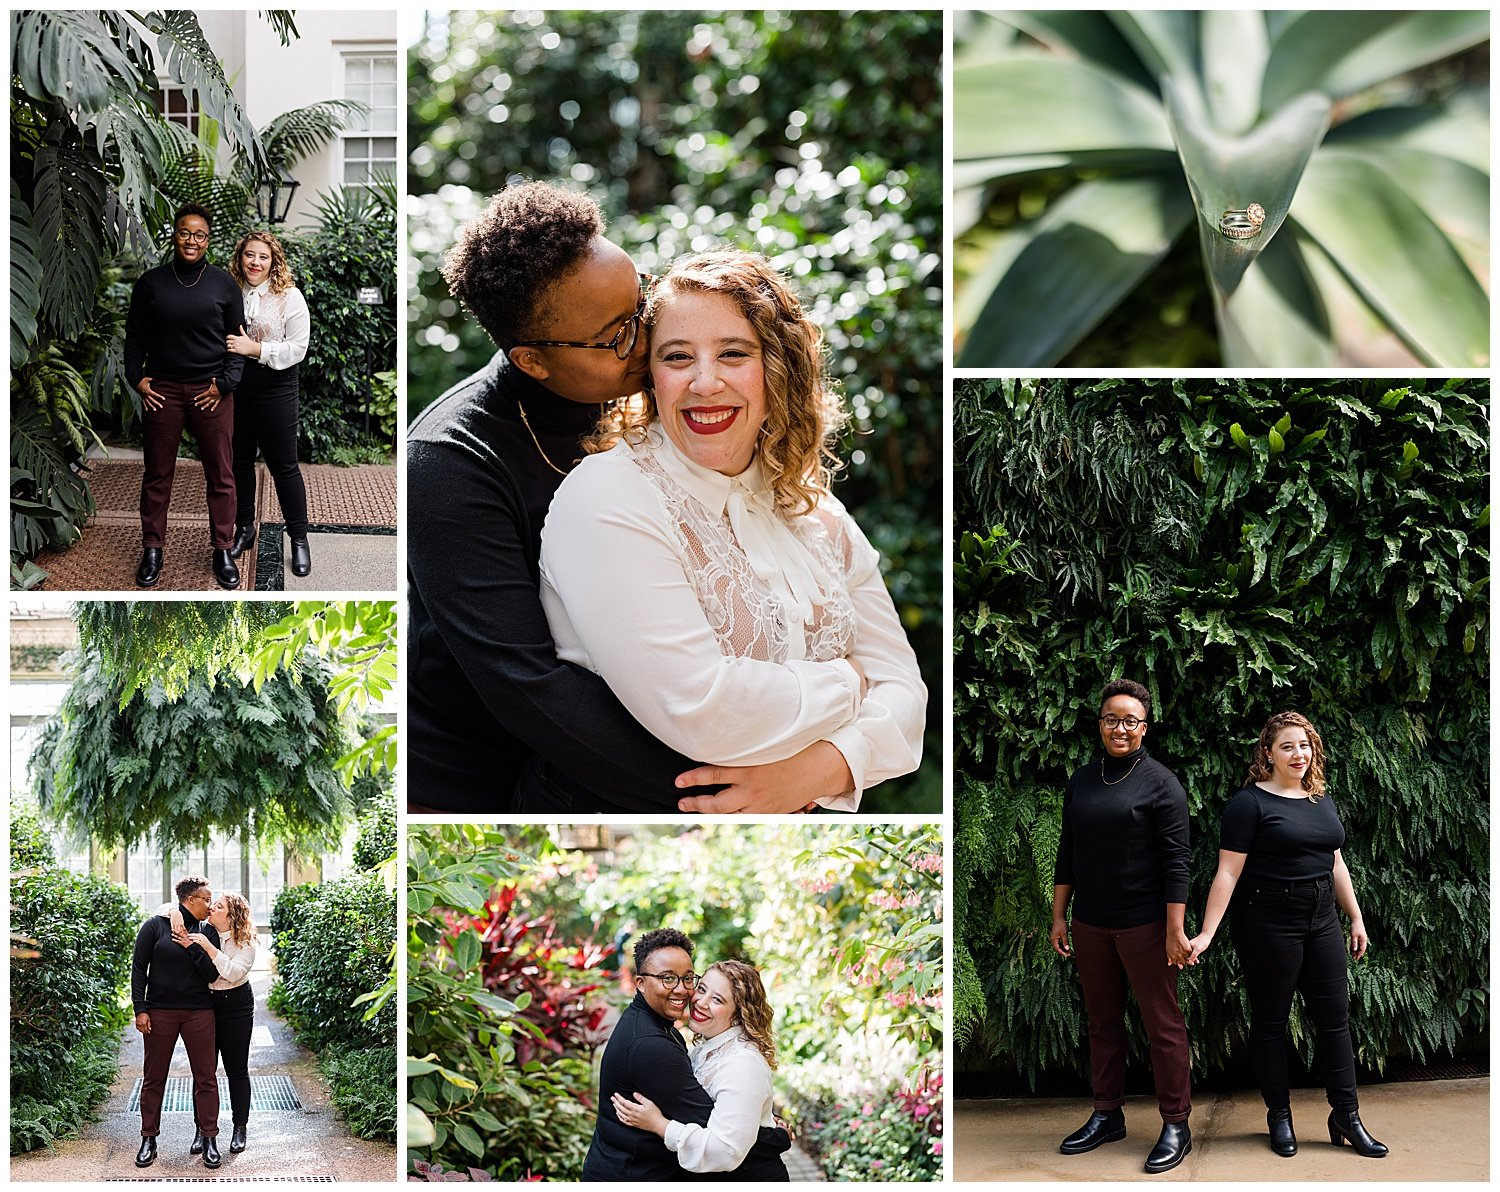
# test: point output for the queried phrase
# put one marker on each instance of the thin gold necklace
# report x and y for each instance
(526, 422)
(1122, 777)
(186, 285)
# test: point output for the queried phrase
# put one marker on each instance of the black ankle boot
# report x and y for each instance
(237, 1140)
(197, 1147)
(211, 1152)
(1346, 1127)
(244, 537)
(149, 571)
(301, 556)
(1171, 1148)
(225, 572)
(1283, 1140)
(147, 1154)
(1104, 1125)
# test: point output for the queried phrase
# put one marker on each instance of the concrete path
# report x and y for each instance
(352, 535)
(1437, 1130)
(304, 1144)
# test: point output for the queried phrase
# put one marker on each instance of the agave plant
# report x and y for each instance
(1373, 191)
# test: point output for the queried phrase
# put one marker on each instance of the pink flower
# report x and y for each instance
(921, 1110)
(868, 1109)
(937, 1146)
(877, 1164)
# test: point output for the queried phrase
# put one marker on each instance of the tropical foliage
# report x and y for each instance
(1241, 547)
(65, 989)
(518, 941)
(815, 137)
(334, 943)
(1087, 143)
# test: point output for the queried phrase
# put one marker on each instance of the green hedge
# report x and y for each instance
(66, 1012)
(333, 944)
(1241, 547)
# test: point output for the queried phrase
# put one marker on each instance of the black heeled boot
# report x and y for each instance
(301, 556)
(237, 1140)
(1346, 1127)
(1283, 1139)
(1104, 1125)
(244, 538)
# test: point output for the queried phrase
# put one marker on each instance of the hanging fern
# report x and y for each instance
(1241, 547)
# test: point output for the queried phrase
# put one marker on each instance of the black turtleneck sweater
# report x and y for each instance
(1124, 846)
(487, 696)
(166, 976)
(180, 316)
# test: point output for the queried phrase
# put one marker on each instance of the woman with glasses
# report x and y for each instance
(1122, 862)
(176, 358)
(1281, 876)
(265, 409)
(733, 1061)
(698, 562)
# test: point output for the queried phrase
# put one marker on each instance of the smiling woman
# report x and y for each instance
(761, 628)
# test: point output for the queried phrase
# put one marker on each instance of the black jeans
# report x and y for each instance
(265, 420)
(234, 1019)
(1288, 937)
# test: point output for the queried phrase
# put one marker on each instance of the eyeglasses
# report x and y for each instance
(690, 981)
(621, 344)
(195, 237)
(1128, 723)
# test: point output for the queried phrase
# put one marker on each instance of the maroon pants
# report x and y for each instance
(1107, 958)
(197, 1030)
(214, 431)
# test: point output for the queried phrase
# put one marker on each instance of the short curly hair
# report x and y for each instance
(189, 885)
(1130, 687)
(803, 412)
(197, 209)
(280, 273)
(1262, 767)
(506, 260)
(654, 941)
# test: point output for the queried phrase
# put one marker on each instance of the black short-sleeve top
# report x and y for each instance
(1285, 840)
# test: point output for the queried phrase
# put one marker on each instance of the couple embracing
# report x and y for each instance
(629, 577)
(669, 1114)
(190, 977)
(216, 353)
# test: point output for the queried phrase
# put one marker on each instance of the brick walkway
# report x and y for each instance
(352, 510)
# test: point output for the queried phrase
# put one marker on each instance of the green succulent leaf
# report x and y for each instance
(1235, 48)
(1089, 250)
(1032, 104)
(1398, 260)
(1091, 35)
(1277, 314)
(1227, 172)
(1341, 52)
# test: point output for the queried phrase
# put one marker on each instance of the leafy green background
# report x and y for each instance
(815, 137)
(1240, 546)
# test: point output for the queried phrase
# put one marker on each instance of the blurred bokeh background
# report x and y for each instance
(814, 137)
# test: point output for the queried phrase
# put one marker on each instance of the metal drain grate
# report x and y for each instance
(267, 1094)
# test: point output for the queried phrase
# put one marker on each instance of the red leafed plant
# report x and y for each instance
(523, 954)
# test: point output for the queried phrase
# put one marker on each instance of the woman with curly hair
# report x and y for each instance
(265, 411)
(234, 1000)
(733, 1061)
(1281, 873)
(698, 562)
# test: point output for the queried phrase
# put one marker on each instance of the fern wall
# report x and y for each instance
(1240, 547)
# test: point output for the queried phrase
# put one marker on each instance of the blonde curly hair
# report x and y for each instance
(280, 273)
(1262, 767)
(752, 1013)
(241, 926)
(804, 414)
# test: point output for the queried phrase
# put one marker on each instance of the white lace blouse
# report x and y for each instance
(735, 1074)
(723, 626)
(234, 961)
(280, 323)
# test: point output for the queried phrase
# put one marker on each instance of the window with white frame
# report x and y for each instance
(178, 104)
(368, 146)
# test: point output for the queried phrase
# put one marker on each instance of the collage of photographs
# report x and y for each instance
(669, 595)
